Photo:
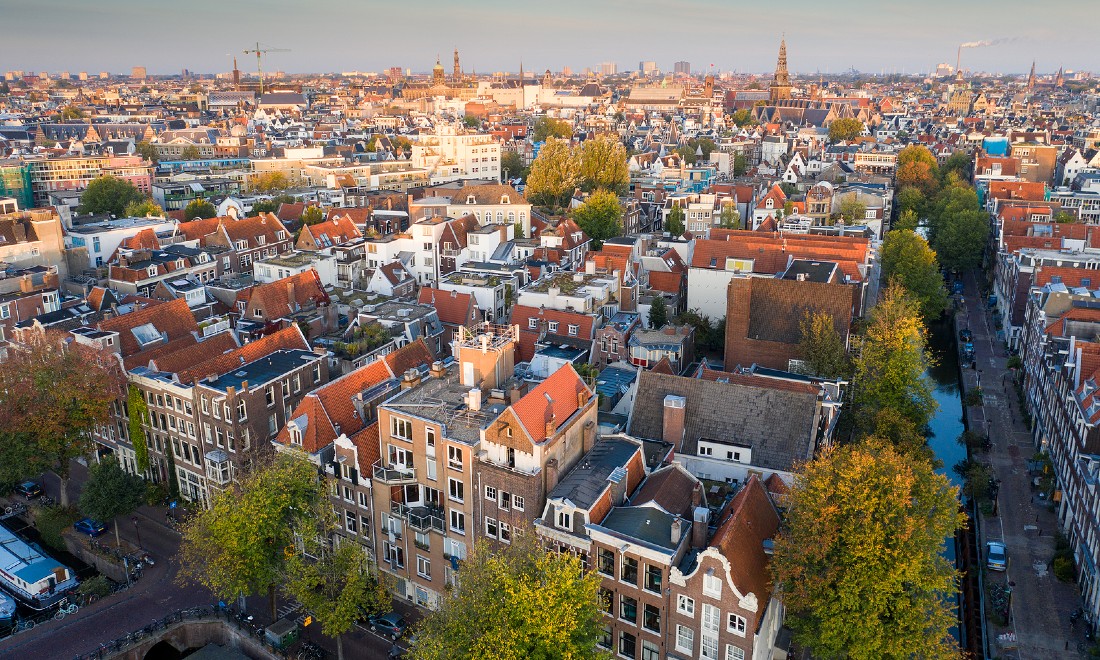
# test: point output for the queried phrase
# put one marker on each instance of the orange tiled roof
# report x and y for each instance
(452, 307)
(173, 318)
(223, 362)
(554, 398)
(741, 538)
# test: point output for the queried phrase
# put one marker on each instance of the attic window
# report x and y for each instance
(470, 199)
(504, 199)
(152, 270)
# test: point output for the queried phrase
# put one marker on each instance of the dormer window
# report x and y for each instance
(242, 245)
(504, 199)
(261, 239)
(770, 203)
(470, 199)
(179, 263)
(295, 436)
(280, 235)
(152, 271)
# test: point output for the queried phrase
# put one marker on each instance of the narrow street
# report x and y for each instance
(1040, 604)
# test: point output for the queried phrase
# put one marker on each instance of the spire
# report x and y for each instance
(1031, 77)
(458, 69)
(781, 82)
(1060, 79)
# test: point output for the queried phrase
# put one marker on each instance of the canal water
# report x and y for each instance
(946, 424)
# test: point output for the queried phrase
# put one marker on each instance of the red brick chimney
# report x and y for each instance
(674, 420)
(551, 474)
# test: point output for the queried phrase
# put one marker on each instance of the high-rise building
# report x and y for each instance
(566, 71)
(137, 73)
(682, 67)
(647, 68)
(607, 68)
(104, 75)
(83, 75)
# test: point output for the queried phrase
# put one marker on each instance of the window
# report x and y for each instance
(401, 428)
(627, 642)
(455, 490)
(505, 500)
(605, 561)
(221, 436)
(242, 411)
(393, 554)
(317, 372)
(454, 457)
(491, 529)
(736, 624)
(708, 647)
(532, 324)
(490, 493)
(650, 651)
(429, 438)
(685, 605)
(269, 395)
(272, 424)
(565, 521)
(552, 326)
(349, 521)
(604, 640)
(652, 579)
(573, 329)
(458, 521)
(712, 586)
(685, 639)
(297, 383)
(651, 618)
(517, 503)
(505, 532)
(734, 653)
(363, 502)
(607, 600)
(423, 567)
(630, 570)
(628, 609)
(711, 617)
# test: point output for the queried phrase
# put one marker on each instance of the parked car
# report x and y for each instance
(29, 489)
(391, 623)
(996, 557)
(90, 526)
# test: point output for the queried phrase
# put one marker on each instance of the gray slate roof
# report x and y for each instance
(777, 424)
(584, 484)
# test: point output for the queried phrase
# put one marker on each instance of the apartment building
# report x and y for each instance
(243, 241)
(451, 156)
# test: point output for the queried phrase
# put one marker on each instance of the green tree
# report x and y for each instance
(70, 112)
(511, 165)
(147, 151)
(740, 164)
(471, 121)
(903, 434)
(846, 128)
(142, 209)
(907, 221)
(789, 189)
(270, 181)
(312, 215)
(957, 163)
(674, 223)
(729, 217)
(240, 545)
(53, 393)
(917, 167)
(852, 209)
(554, 174)
(822, 347)
(271, 205)
(110, 493)
(959, 228)
(190, 152)
(658, 313)
(860, 564)
(891, 361)
(109, 194)
(601, 216)
(501, 609)
(548, 127)
(603, 165)
(743, 118)
(138, 412)
(907, 260)
(336, 588)
(912, 199)
(199, 208)
(1064, 217)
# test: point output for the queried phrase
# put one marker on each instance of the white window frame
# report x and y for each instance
(685, 605)
(736, 624)
(683, 633)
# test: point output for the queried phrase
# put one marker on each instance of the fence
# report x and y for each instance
(21, 624)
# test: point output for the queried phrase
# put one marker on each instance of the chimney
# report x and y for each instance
(590, 267)
(677, 530)
(411, 379)
(551, 425)
(589, 435)
(674, 420)
(700, 516)
(291, 300)
(438, 370)
(697, 495)
(551, 474)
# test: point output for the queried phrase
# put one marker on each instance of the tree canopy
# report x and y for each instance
(111, 492)
(689, 151)
(917, 167)
(959, 228)
(312, 215)
(199, 208)
(503, 608)
(240, 545)
(890, 365)
(142, 209)
(845, 128)
(852, 209)
(146, 151)
(860, 564)
(109, 194)
(270, 182)
(603, 165)
(729, 217)
(742, 118)
(601, 216)
(511, 165)
(548, 127)
(54, 393)
(554, 174)
(674, 223)
(821, 346)
(907, 260)
(658, 313)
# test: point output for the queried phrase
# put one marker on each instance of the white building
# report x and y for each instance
(450, 156)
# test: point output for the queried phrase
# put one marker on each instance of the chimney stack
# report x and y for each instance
(474, 399)
(290, 299)
(700, 516)
(551, 474)
(589, 435)
(674, 420)
(677, 530)
(411, 379)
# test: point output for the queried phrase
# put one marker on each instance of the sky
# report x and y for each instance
(888, 36)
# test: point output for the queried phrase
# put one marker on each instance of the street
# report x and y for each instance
(1040, 604)
(151, 598)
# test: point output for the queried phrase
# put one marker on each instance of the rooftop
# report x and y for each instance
(585, 482)
(444, 400)
(645, 523)
(263, 370)
(119, 223)
(293, 259)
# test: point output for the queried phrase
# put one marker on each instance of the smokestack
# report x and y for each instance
(589, 436)
(674, 413)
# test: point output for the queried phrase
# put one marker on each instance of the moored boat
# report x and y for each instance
(30, 575)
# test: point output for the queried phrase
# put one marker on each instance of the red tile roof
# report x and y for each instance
(219, 363)
(173, 317)
(555, 398)
(741, 538)
(452, 307)
(274, 298)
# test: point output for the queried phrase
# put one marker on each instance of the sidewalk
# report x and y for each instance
(1040, 605)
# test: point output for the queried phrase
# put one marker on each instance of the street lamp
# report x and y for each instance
(137, 531)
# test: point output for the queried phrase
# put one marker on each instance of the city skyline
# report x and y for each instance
(495, 36)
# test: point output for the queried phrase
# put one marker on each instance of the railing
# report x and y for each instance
(425, 519)
(389, 475)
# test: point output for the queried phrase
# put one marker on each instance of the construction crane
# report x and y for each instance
(259, 64)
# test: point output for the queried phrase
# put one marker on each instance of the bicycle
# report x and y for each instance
(64, 608)
(21, 625)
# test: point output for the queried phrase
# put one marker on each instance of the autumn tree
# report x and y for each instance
(312, 215)
(142, 209)
(554, 174)
(917, 167)
(674, 223)
(907, 220)
(53, 393)
(190, 152)
(891, 361)
(601, 216)
(199, 208)
(337, 587)
(658, 312)
(110, 493)
(729, 217)
(860, 563)
(240, 545)
(270, 181)
(71, 112)
(907, 260)
(548, 127)
(822, 347)
(109, 194)
(742, 118)
(501, 609)
(603, 165)
(846, 128)
(852, 209)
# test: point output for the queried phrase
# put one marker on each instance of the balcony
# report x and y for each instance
(394, 476)
(426, 518)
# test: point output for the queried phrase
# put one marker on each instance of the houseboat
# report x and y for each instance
(34, 578)
(7, 609)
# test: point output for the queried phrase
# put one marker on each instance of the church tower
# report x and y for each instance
(781, 83)
(458, 69)
(1060, 79)
(1031, 78)
(438, 77)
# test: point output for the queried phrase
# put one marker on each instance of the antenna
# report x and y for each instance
(259, 65)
